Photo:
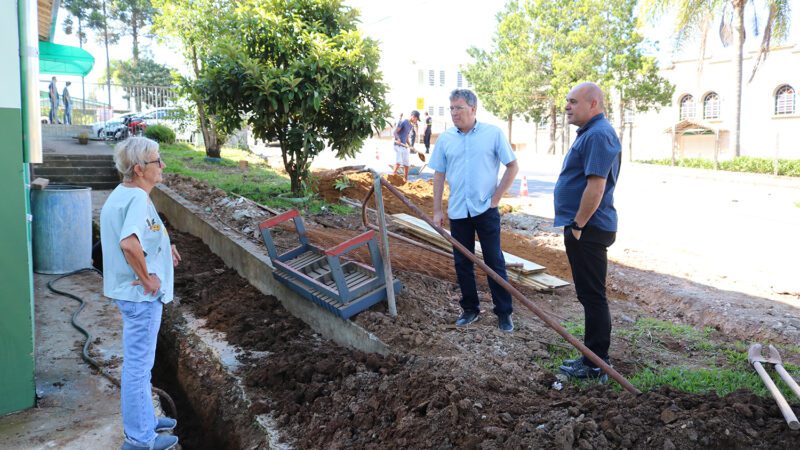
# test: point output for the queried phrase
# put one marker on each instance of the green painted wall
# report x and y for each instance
(17, 388)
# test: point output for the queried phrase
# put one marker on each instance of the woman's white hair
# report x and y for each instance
(133, 151)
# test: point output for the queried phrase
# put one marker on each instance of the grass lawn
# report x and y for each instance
(259, 182)
(687, 358)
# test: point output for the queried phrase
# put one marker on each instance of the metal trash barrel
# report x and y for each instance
(61, 228)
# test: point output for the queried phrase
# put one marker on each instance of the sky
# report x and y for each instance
(421, 31)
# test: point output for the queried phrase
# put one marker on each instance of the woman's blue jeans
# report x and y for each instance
(140, 323)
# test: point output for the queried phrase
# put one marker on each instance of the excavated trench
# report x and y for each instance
(247, 373)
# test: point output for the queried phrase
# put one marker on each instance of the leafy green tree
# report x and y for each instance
(132, 17)
(84, 11)
(545, 47)
(300, 73)
(505, 76)
(694, 18)
(80, 10)
(630, 75)
(146, 78)
(196, 25)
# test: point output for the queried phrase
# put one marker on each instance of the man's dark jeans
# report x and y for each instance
(588, 258)
(487, 226)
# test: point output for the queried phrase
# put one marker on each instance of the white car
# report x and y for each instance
(182, 123)
(111, 124)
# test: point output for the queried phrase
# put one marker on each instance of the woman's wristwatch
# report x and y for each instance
(574, 226)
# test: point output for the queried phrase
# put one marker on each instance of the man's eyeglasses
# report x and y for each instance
(158, 161)
(458, 108)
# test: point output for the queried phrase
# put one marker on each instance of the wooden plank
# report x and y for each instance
(548, 280)
(419, 228)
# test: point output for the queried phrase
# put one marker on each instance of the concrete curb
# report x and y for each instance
(253, 264)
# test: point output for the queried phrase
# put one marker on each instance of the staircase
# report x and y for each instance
(94, 171)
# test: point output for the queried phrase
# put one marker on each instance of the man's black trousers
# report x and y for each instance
(487, 226)
(588, 258)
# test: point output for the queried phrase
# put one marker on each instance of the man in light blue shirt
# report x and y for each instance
(469, 156)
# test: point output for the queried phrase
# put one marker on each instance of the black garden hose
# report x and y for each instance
(88, 338)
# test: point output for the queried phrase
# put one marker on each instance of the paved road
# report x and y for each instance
(732, 231)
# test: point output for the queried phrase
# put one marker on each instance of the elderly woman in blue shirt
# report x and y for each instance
(469, 157)
(138, 264)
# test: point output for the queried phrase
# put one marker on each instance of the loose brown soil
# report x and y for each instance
(443, 386)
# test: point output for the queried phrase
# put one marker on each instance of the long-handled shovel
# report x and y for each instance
(756, 359)
(413, 150)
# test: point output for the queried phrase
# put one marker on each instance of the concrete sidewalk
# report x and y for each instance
(76, 408)
(62, 145)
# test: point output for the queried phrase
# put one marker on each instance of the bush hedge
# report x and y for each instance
(786, 167)
(160, 133)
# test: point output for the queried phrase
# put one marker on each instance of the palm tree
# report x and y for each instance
(695, 16)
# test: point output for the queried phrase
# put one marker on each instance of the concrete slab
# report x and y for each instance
(62, 145)
(76, 407)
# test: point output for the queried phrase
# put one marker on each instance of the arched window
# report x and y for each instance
(711, 106)
(688, 107)
(784, 100)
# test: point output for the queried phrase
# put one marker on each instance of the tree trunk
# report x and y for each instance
(108, 60)
(83, 79)
(295, 166)
(510, 119)
(135, 36)
(552, 149)
(621, 128)
(738, 29)
(210, 138)
(630, 143)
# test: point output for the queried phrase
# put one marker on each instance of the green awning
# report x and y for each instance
(55, 59)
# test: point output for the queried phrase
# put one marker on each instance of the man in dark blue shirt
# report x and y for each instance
(584, 206)
(401, 147)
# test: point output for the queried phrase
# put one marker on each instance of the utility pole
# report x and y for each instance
(108, 61)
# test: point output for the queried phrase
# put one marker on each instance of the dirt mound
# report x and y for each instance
(420, 192)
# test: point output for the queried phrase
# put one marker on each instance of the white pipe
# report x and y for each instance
(29, 65)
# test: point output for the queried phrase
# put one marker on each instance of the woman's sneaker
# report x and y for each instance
(162, 442)
(166, 424)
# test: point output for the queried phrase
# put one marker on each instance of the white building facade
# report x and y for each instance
(704, 105)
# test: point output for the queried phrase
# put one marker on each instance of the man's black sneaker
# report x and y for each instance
(581, 371)
(467, 317)
(505, 323)
(571, 362)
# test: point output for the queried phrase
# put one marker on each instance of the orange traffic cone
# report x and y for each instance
(523, 188)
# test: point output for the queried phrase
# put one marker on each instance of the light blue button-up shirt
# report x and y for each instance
(471, 162)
